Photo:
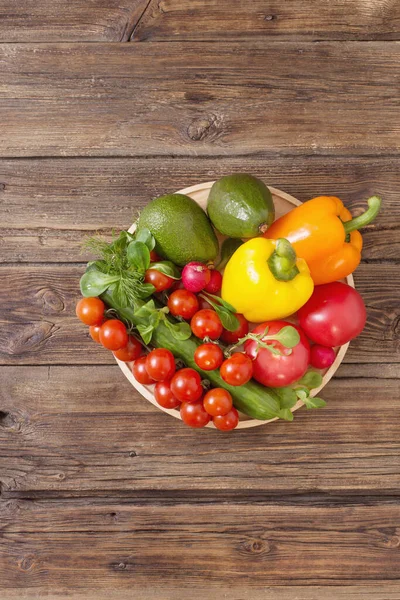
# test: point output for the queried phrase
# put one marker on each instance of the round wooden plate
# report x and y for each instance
(283, 204)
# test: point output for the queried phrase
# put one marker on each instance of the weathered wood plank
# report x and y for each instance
(195, 99)
(72, 545)
(216, 20)
(85, 430)
(76, 21)
(39, 324)
(48, 206)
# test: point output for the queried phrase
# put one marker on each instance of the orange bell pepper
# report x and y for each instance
(324, 234)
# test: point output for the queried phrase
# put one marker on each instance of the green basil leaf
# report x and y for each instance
(144, 290)
(154, 319)
(311, 380)
(146, 310)
(94, 282)
(302, 395)
(287, 397)
(138, 256)
(221, 302)
(180, 331)
(146, 332)
(228, 248)
(315, 403)
(288, 336)
(144, 235)
(229, 320)
(167, 268)
(285, 414)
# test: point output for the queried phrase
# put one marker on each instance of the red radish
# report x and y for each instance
(195, 276)
(322, 357)
(215, 283)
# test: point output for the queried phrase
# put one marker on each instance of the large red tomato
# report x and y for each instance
(275, 370)
(334, 315)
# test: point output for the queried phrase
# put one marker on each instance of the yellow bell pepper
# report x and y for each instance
(264, 280)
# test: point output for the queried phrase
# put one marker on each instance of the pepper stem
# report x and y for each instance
(282, 262)
(374, 205)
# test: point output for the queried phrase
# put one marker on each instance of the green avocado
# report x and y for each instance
(240, 206)
(182, 230)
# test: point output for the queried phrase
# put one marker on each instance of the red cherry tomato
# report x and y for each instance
(194, 414)
(237, 370)
(208, 357)
(228, 421)
(186, 385)
(113, 334)
(160, 364)
(140, 372)
(322, 357)
(206, 323)
(94, 332)
(164, 395)
(154, 256)
(90, 311)
(275, 370)
(215, 283)
(178, 285)
(160, 281)
(203, 304)
(231, 337)
(217, 402)
(183, 303)
(132, 350)
(334, 315)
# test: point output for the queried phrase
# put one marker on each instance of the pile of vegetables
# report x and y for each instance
(252, 332)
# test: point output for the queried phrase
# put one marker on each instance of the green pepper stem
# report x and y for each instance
(374, 205)
(282, 262)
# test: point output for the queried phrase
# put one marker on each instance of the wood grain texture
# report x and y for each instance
(72, 21)
(39, 325)
(85, 430)
(215, 20)
(61, 544)
(218, 100)
(49, 206)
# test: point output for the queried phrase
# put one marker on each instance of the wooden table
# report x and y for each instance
(104, 105)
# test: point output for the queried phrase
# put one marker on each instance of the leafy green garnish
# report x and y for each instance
(138, 256)
(144, 235)
(224, 310)
(167, 268)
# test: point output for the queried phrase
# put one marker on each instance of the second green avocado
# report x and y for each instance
(240, 206)
(182, 230)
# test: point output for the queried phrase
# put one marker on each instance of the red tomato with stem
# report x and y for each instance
(90, 311)
(227, 422)
(206, 323)
(194, 414)
(231, 337)
(140, 372)
(113, 334)
(164, 396)
(160, 281)
(217, 402)
(183, 303)
(160, 364)
(186, 385)
(208, 357)
(237, 370)
(275, 370)
(334, 315)
(132, 350)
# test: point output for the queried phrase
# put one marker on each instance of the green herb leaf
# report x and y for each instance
(144, 290)
(146, 310)
(285, 414)
(302, 395)
(144, 235)
(288, 336)
(138, 256)
(146, 332)
(220, 302)
(287, 397)
(314, 403)
(167, 268)
(311, 380)
(94, 282)
(229, 321)
(154, 319)
(229, 246)
(180, 331)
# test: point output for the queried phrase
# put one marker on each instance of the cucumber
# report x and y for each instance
(252, 398)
